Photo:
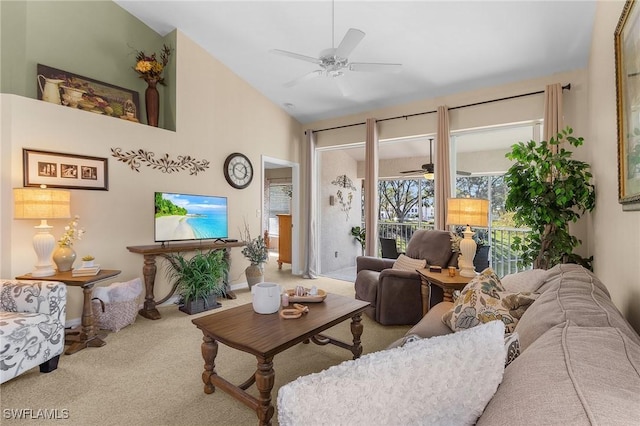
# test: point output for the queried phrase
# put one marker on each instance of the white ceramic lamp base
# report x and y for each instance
(468, 251)
(43, 244)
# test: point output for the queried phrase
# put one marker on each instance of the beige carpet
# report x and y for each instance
(150, 372)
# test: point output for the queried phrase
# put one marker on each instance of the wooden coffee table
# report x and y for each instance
(266, 336)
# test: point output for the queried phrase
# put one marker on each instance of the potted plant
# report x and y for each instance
(198, 279)
(257, 253)
(87, 261)
(547, 191)
(359, 234)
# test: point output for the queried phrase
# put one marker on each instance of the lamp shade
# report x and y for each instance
(467, 211)
(39, 203)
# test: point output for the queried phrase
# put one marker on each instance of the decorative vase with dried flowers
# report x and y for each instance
(64, 255)
(150, 69)
(257, 253)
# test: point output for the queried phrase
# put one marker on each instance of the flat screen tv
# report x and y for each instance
(185, 217)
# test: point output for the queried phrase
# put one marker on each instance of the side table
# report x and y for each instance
(86, 336)
(441, 279)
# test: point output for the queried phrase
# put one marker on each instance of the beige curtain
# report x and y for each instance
(553, 122)
(309, 206)
(442, 168)
(371, 189)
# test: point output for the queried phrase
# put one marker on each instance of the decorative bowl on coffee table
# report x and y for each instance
(307, 298)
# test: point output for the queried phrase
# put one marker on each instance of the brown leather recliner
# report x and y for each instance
(395, 294)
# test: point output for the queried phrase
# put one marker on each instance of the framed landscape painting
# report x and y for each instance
(84, 93)
(627, 54)
(58, 170)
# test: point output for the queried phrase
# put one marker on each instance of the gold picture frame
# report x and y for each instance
(58, 170)
(627, 57)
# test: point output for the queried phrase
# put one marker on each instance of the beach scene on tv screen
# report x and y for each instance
(189, 217)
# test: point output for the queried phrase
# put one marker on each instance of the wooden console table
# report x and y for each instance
(87, 335)
(149, 269)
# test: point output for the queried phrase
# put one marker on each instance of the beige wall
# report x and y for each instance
(334, 222)
(615, 234)
(217, 114)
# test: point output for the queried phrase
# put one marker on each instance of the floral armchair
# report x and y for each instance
(32, 318)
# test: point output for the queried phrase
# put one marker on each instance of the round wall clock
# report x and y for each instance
(238, 170)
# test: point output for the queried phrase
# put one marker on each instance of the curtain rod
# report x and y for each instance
(567, 87)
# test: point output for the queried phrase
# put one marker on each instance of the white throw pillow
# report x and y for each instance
(406, 263)
(119, 292)
(525, 281)
(126, 291)
(443, 380)
(101, 293)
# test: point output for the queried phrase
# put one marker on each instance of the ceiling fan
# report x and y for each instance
(429, 168)
(334, 62)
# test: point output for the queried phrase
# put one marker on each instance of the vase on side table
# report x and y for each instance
(152, 102)
(63, 257)
(254, 273)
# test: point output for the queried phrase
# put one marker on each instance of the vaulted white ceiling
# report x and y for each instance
(444, 47)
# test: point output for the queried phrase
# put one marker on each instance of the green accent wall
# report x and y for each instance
(93, 38)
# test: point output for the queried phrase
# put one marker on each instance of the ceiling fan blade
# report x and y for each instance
(305, 77)
(349, 42)
(374, 67)
(295, 56)
(413, 171)
(463, 173)
(344, 87)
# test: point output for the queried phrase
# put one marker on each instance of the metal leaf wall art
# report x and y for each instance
(165, 164)
(343, 181)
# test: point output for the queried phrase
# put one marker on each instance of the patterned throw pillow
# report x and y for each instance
(405, 263)
(410, 338)
(512, 344)
(484, 299)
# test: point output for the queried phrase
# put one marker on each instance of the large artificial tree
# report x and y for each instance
(547, 191)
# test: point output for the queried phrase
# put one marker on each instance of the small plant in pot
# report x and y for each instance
(257, 252)
(88, 261)
(360, 235)
(199, 279)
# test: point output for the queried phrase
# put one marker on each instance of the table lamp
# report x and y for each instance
(42, 204)
(469, 212)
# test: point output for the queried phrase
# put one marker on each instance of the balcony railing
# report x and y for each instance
(502, 258)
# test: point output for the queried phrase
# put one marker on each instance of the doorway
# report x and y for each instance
(280, 195)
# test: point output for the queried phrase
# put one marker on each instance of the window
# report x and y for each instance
(279, 203)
